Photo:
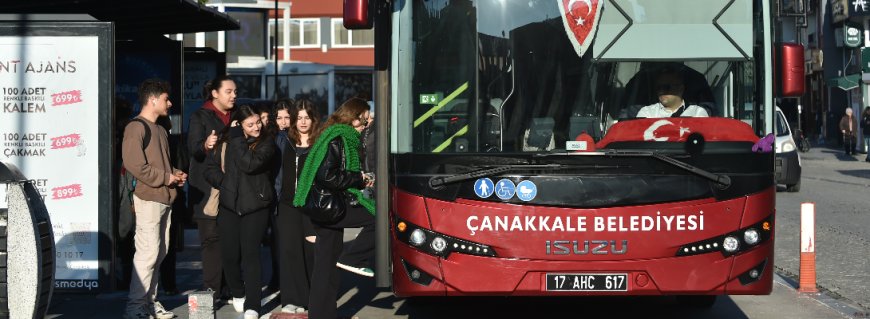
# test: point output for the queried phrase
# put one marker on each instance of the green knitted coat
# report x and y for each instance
(350, 137)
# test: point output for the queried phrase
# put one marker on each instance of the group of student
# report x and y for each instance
(258, 160)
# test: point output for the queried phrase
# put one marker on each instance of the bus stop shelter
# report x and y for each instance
(114, 51)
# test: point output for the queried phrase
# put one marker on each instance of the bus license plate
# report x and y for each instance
(587, 282)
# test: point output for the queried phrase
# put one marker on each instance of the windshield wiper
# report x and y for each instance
(438, 181)
(722, 181)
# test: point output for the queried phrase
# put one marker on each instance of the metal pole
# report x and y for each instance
(383, 269)
(275, 44)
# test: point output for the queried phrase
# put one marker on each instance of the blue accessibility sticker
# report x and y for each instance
(505, 189)
(526, 191)
(483, 187)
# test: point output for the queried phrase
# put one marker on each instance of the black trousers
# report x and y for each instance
(240, 250)
(212, 264)
(272, 239)
(360, 251)
(295, 255)
(849, 144)
(325, 281)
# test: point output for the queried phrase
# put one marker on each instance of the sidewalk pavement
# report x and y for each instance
(830, 163)
(188, 279)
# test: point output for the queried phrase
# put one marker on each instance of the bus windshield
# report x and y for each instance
(495, 76)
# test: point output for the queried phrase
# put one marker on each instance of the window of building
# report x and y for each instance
(211, 40)
(304, 33)
(189, 40)
(250, 40)
(271, 31)
(247, 86)
(342, 37)
(312, 87)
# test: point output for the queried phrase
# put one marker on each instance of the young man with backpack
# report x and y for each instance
(145, 152)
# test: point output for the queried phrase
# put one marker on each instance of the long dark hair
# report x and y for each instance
(214, 85)
(349, 111)
(240, 114)
(271, 128)
(867, 111)
(308, 107)
(282, 105)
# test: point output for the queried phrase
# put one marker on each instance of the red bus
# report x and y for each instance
(577, 147)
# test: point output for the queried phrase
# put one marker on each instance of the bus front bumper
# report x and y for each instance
(419, 274)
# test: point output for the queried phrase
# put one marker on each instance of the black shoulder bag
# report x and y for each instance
(325, 206)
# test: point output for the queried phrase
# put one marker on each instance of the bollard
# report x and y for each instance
(26, 248)
(807, 280)
(200, 304)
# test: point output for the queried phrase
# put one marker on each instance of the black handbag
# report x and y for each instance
(325, 207)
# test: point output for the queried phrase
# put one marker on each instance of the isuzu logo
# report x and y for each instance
(595, 247)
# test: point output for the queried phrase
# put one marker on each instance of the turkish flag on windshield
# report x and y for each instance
(580, 18)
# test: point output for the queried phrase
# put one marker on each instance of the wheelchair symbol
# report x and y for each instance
(505, 189)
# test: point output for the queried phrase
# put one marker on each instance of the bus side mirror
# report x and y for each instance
(790, 70)
(356, 15)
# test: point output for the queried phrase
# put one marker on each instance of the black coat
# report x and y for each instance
(246, 186)
(332, 174)
(202, 122)
(368, 141)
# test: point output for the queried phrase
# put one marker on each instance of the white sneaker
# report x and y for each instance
(291, 308)
(250, 314)
(362, 271)
(162, 313)
(137, 312)
(239, 304)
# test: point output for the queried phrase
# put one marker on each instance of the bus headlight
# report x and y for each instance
(418, 237)
(788, 147)
(730, 244)
(750, 236)
(438, 244)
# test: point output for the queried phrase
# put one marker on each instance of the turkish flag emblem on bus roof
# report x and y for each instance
(580, 18)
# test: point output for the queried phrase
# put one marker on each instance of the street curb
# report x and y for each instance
(845, 309)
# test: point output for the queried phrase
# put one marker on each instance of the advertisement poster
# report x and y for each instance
(196, 75)
(49, 87)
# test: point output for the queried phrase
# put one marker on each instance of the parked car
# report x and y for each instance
(788, 162)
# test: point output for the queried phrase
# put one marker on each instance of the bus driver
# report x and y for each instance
(669, 88)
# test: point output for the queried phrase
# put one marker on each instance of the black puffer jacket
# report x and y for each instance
(246, 186)
(332, 174)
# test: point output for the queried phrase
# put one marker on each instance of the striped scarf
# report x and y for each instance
(317, 154)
